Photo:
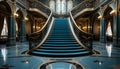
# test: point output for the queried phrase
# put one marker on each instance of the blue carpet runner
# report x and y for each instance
(60, 42)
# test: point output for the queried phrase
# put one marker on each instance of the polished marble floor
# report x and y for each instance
(109, 58)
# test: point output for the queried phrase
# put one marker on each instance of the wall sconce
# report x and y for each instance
(113, 12)
(26, 18)
(16, 14)
(100, 17)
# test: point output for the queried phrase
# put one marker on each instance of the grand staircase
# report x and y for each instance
(60, 42)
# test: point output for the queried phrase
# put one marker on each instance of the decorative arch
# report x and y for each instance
(107, 11)
(5, 12)
(20, 14)
(6, 6)
(19, 18)
(108, 22)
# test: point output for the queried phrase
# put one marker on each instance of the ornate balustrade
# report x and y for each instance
(37, 37)
(40, 6)
(84, 38)
(23, 3)
(82, 5)
(89, 5)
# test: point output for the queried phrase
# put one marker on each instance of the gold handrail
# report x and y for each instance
(77, 25)
(47, 19)
(91, 9)
(79, 4)
(50, 16)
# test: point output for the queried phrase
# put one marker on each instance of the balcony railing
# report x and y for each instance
(82, 5)
(89, 5)
(39, 5)
(84, 38)
(23, 3)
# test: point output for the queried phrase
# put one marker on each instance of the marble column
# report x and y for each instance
(23, 31)
(11, 31)
(118, 31)
(31, 27)
(92, 20)
(115, 30)
(116, 26)
(102, 31)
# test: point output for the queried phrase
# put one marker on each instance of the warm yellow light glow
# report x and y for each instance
(99, 17)
(85, 27)
(37, 27)
(113, 12)
(16, 15)
(26, 18)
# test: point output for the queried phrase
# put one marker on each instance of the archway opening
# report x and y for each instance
(5, 13)
(108, 23)
(19, 18)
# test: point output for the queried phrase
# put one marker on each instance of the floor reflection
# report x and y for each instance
(14, 59)
(61, 64)
(109, 49)
(4, 54)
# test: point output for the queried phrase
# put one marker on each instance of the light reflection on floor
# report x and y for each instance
(59, 66)
(108, 59)
(109, 49)
(4, 54)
